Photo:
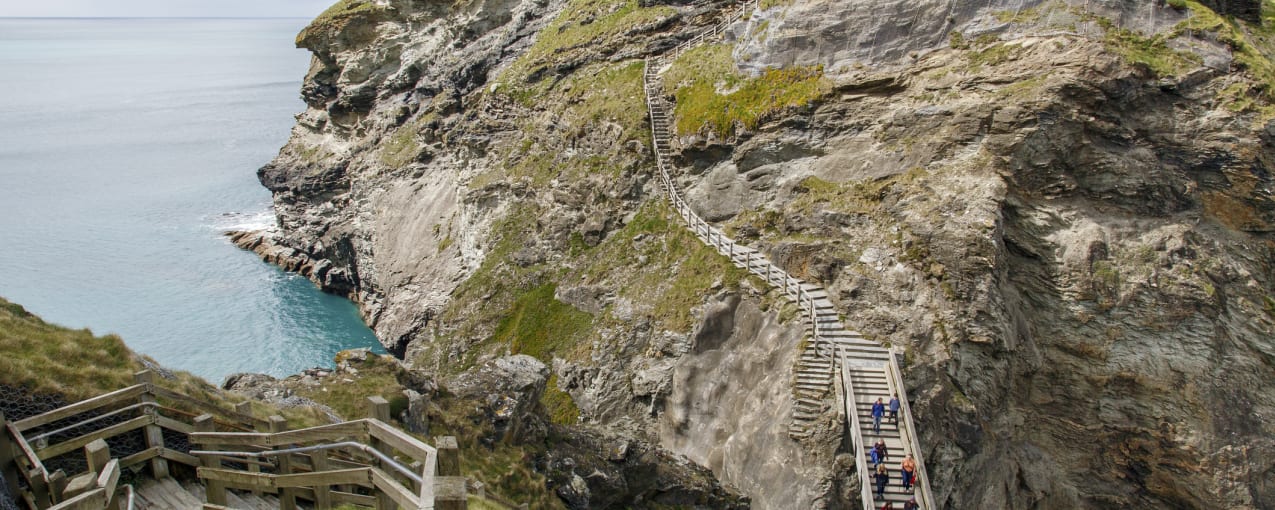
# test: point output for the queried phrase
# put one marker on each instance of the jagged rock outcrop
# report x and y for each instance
(1061, 212)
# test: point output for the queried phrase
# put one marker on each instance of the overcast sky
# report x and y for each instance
(164, 8)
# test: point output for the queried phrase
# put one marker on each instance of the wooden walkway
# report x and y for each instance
(868, 370)
(169, 494)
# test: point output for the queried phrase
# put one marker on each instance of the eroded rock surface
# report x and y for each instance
(1063, 220)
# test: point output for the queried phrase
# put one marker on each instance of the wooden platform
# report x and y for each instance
(168, 494)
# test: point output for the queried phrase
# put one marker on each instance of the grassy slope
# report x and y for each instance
(713, 95)
(48, 359)
(39, 356)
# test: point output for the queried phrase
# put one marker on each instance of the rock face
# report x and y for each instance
(1061, 212)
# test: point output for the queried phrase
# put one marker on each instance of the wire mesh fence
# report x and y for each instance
(7, 501)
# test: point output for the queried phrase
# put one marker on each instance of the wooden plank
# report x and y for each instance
(114, 397)
(140, 457)
(245, 480)
(356, 499)
(110, 476)
(237, 479)
(231, 438)
(323, 433)
(396, 491)
(324, 478)
(80, 442)
(428, 470)
(174, 425)
(92, 500)
(180, 457)
(207, 407)
(400, 441)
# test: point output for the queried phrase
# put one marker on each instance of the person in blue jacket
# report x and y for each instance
(878, 410)
(894, 409)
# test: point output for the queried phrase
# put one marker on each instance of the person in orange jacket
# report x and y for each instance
(909, 471)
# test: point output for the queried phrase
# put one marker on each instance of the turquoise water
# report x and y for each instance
(126, 147)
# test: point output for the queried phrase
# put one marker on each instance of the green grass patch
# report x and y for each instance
(1150, 51)
(991, 54)
(378, 376)
(539, 325)
(558, 404)
(402, 147)
(711, 94)
(1023, 17)
(1024, 89)
(581, 23)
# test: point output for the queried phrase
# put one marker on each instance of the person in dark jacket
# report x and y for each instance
(911, 504)
(882, 452)
(894, 409)
(878, 410)
(882, 479)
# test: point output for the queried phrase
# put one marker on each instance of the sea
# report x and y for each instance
(127, 147)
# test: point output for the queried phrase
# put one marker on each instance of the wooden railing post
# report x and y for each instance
(379, 409)
(214, 491)
(449, 486)
(154, 434)
(322, 493)
(57, 485)
(97, 455)
(287, 497)
(245, 408)
(8, 458)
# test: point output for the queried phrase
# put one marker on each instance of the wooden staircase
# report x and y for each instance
(364, 462)
(868, 370)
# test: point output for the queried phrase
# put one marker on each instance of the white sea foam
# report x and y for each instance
(249, 221)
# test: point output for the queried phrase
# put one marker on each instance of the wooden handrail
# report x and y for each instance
(25, 450)
(895, 378)
(332, 432)
(367, 431)
(84, 406)
(856, 435)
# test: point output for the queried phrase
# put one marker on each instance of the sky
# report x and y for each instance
(164, 8)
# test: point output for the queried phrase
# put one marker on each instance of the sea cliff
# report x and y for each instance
(1059, 211)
